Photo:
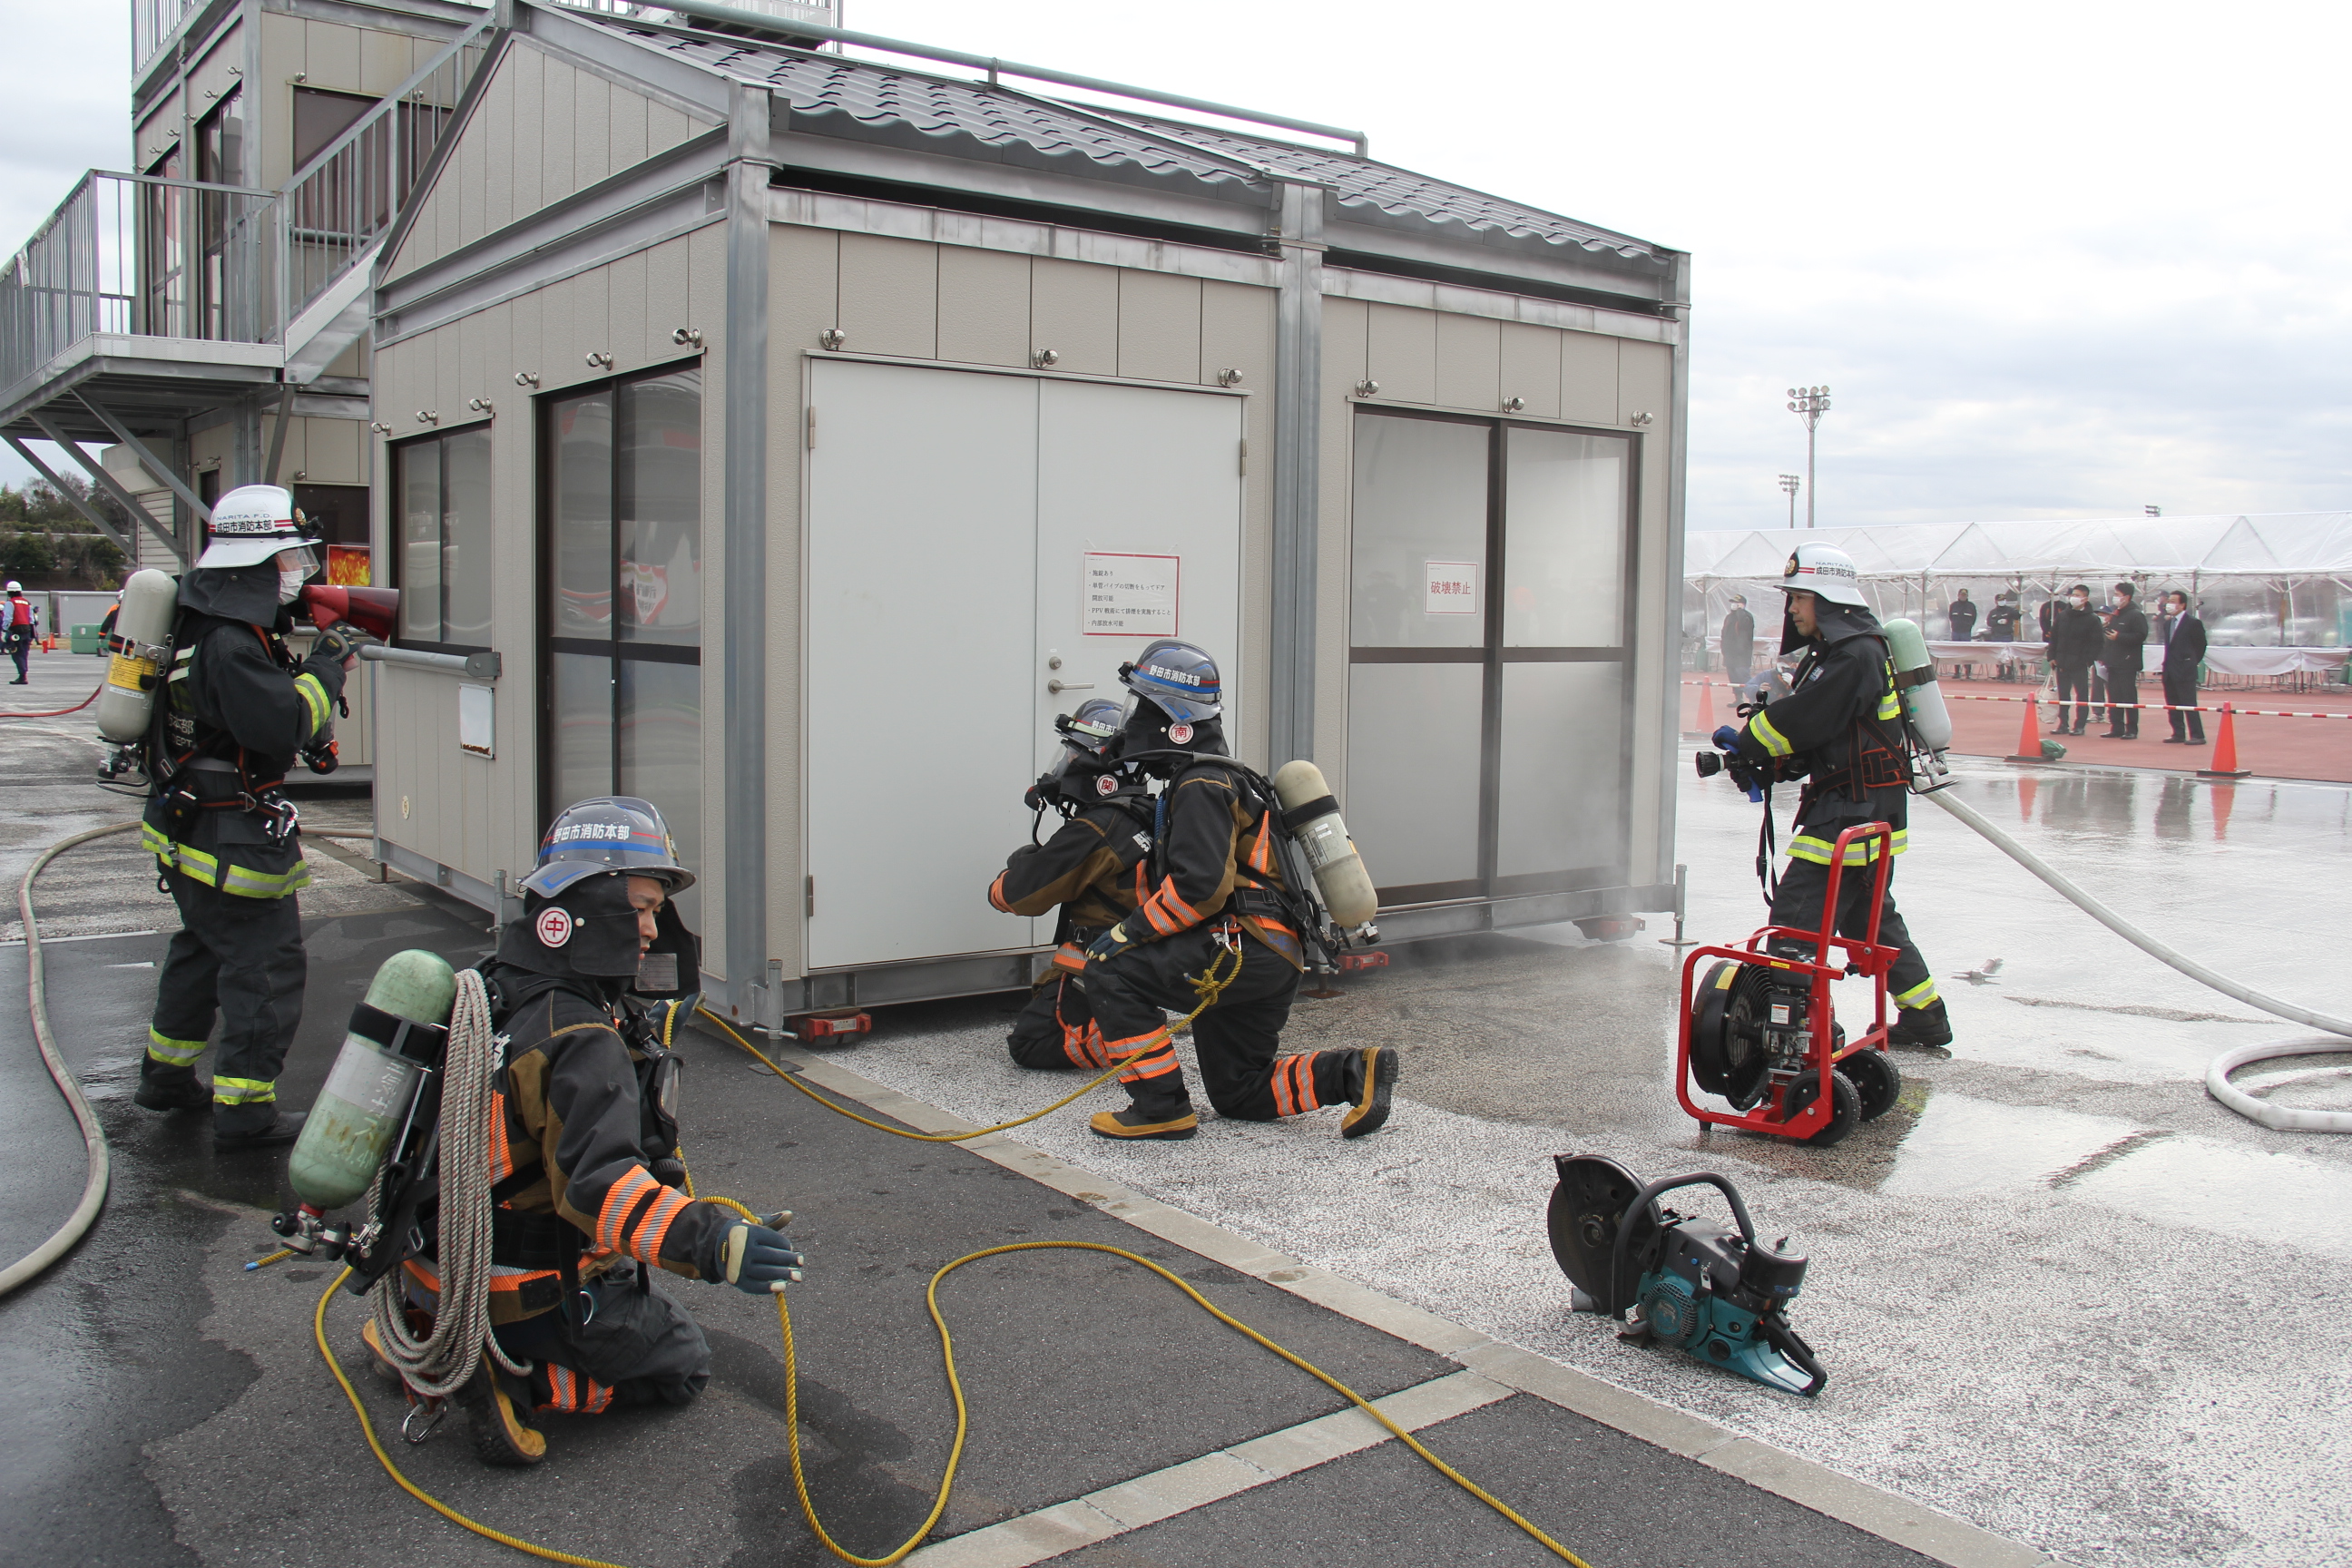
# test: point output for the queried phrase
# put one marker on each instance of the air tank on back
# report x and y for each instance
(375, 1079)
(1914, 670)
(134, 673)
(1313, 817)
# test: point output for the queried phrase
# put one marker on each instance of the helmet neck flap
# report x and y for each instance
(587, 931)
(247, 593)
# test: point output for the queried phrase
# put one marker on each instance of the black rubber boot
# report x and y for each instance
(1922, 1028)
(181, 1090)
(1372, 1077)
(1134, 1123)
(497, 1405)
(284, 1129)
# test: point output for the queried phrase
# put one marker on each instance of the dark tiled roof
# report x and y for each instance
(1361, 183)
(873, 102)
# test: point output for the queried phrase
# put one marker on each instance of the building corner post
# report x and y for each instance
(744, 550)
(1298, 455)
(1677, 487)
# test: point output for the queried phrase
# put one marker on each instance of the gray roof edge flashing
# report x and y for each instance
(1487, 238)
(1499, 266)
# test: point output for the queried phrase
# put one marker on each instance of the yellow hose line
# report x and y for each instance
(955, 1389)
(1209, 987)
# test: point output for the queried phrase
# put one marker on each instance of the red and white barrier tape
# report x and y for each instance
(2045, 697)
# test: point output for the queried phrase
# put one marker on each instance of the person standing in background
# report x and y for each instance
(2002, 625)
(1963, 617)
(1739, 641)
(2127, 640)
(2076, 636)
(23, 628)
(2184, 650)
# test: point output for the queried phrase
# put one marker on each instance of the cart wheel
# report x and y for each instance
(1845, 1106)
(1876, 1080)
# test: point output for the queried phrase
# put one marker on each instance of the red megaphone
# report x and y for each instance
(373, 610)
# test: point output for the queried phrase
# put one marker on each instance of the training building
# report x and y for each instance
(814, 429)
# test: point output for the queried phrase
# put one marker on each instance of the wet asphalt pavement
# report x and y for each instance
(168, 1406)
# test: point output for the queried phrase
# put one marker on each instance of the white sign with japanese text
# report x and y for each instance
(1452, 588)
(1127, 595)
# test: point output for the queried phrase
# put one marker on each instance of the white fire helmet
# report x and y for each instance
(1826, 570)
(252, 523)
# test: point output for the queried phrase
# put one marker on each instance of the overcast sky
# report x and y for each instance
(2054, 259)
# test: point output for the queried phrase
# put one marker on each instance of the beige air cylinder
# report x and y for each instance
(134, 675)
(1314, 816)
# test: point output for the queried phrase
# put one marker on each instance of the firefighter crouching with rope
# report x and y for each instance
(1216, 918)
(1092, 867)
(237, 710)
(584, 1143)
(1840, 728)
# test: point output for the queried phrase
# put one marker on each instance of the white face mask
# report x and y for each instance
(289, 583)
(2081, 601)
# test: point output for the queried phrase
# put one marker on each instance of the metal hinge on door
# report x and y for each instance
(1245, 458)
(812, 427)
(809, 899)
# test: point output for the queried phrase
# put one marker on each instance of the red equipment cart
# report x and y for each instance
(1838, 1083)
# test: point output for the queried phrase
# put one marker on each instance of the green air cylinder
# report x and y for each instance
(1907, 645)
(369, 1091)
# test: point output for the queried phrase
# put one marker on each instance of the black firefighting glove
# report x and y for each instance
(1118, 939)
(338, 644)
(759, 1259)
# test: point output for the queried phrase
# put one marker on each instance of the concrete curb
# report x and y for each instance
(1882, 1513)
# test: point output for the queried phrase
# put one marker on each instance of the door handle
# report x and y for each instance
(1058, 686)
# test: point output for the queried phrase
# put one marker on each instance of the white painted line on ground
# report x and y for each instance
(1879, 1512)
(1211, 1478)
(93, 936)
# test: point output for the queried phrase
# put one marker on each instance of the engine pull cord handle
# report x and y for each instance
(1642, 1199)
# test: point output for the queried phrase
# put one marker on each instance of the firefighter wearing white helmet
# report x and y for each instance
(237, 710)
(1841, 728)
(20, 631)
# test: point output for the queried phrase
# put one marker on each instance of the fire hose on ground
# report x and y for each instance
(2280, 1118)
(445, 1358)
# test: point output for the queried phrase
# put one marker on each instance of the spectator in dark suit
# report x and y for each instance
(2127, 640)
(1963, 617)
(1739, 641)
(2076, 638)
(2184, 650)
(2049, 616)
(2002, 625)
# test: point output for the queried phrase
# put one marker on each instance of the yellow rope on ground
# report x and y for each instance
(955, 1389)
(1208, 987)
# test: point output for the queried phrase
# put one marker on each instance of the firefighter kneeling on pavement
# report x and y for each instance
(1092, 869)
(584, 1142)
(1216, 912)
(1841, 727)
(237, 711)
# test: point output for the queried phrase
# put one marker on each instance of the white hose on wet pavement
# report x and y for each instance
(2283, 1118)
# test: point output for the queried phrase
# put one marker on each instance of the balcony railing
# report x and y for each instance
(153, 22)
(142, 256)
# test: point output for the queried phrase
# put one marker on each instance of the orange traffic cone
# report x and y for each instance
(2225, 751)
(2029, 740)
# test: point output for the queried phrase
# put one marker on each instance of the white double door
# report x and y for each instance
(982, 551)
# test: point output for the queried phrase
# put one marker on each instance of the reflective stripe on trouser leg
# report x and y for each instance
(1157, 1058)
(575, 1393)
(1920, 995)
(1804, 884)
(165, 1051)
(227, 1090)
(258, 946)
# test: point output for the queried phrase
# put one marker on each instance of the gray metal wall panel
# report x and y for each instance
(1347, 348)
(1587, 378)
(1401, 353)
(1530, 368)
(706, 289)
(1237, 332)
(331, 55)
(667, 294)
(983, 306)
(627, 129)
(1074, 311)
(890, 296)
(1646, 382)
(528, 70)
(385, 61)
(592, 128)
(666, 128)
(1469, 363)
(631, 334)
(1158, 326)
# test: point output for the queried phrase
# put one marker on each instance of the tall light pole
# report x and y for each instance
(1809, 404)
(1789, 482)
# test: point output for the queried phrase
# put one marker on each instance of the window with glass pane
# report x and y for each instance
(622, 564)
(441, 538)
(1564, 538)
(1420, 534)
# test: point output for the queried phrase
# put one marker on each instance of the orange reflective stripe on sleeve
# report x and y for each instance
(632, 1188)
(502, 1162)
(646, 1242)
(1261, 857)
(996, 893)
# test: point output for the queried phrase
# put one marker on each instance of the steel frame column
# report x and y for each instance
(1669, 641)
(743, 701)
(1298, 454)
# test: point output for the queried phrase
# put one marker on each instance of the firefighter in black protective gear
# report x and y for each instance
(1841, 728)
(1215, 898)
(1093, 869)
(235, 711)
(583, 1145)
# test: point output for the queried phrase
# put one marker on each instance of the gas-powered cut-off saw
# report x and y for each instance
(1678, 1279)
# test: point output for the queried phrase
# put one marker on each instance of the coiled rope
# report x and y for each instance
(439, 1364)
